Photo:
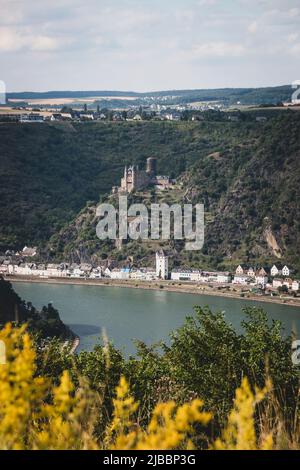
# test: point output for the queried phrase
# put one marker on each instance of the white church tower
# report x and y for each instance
(162, 265)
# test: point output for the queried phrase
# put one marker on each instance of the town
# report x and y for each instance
(199, 112)
(275, 279)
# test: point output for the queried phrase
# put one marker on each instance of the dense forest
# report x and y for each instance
(245, 172)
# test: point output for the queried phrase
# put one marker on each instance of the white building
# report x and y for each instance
(261, 280)
(162, 265)
(53, 270)
(278, 271)
(241, 279)
(23, 269)
(295, 285)
(143, 274)
(121, 274)
(277, 282)
(239, 270)
(288, 283)
(274, 271)
(3, 269)
(96, 273)
(285, 271)
(223, 278)
(27, 251)
(196, 275)
(217, 277)
(251, 272)
(181, 275)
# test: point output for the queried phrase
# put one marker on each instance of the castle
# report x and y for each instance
(135, 179)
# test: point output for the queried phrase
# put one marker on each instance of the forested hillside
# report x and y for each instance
(247, 174)
(46, 323)
(49, 172)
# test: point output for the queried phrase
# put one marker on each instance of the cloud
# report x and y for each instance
(43, 43)
(202, 3)
(294, 12)
(294, 50)
(292, 37)
(12, 40)
(147, 44)
(253, 27)
(218, 49)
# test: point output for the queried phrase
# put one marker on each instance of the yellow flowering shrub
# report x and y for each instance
(27, 419)
(240, 432)
(20, 393)
(36, 415)
(168, 428)
(69, 422)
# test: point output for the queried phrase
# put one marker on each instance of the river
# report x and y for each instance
(127, 314)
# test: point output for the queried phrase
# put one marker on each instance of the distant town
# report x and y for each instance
(181, 107)
(154, 112)
(260, 280)
(117, 116)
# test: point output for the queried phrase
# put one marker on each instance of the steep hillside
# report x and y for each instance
(245, 172)
(257, 215)
(250, 190)
(48, 172)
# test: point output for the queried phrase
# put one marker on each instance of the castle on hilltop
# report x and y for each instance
(135, 179)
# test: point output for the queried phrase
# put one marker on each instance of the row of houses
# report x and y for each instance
(76, 271)
(51, 270)
(244, 276)
(250, 278)
(276, 270)
(290, 284)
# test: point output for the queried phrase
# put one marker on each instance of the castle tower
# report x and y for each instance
(125, 178)
(151, 166)
(162, 265)
(134, 177)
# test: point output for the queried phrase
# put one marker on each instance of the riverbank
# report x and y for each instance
(170, 286)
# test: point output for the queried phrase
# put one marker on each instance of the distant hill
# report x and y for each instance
(247, 96)
(246, 172)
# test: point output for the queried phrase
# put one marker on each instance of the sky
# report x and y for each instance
(147, 45)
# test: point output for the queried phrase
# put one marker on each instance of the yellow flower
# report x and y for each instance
(169, 426)
(20, 393)
(36, 415)
(240, 432)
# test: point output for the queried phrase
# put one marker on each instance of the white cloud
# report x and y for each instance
(293, 37)
(12, 40)
(294, 50)
(43, 43)
(202, 3)
(253, 27)
(294, 12)
(147, 44)
(218, 49)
